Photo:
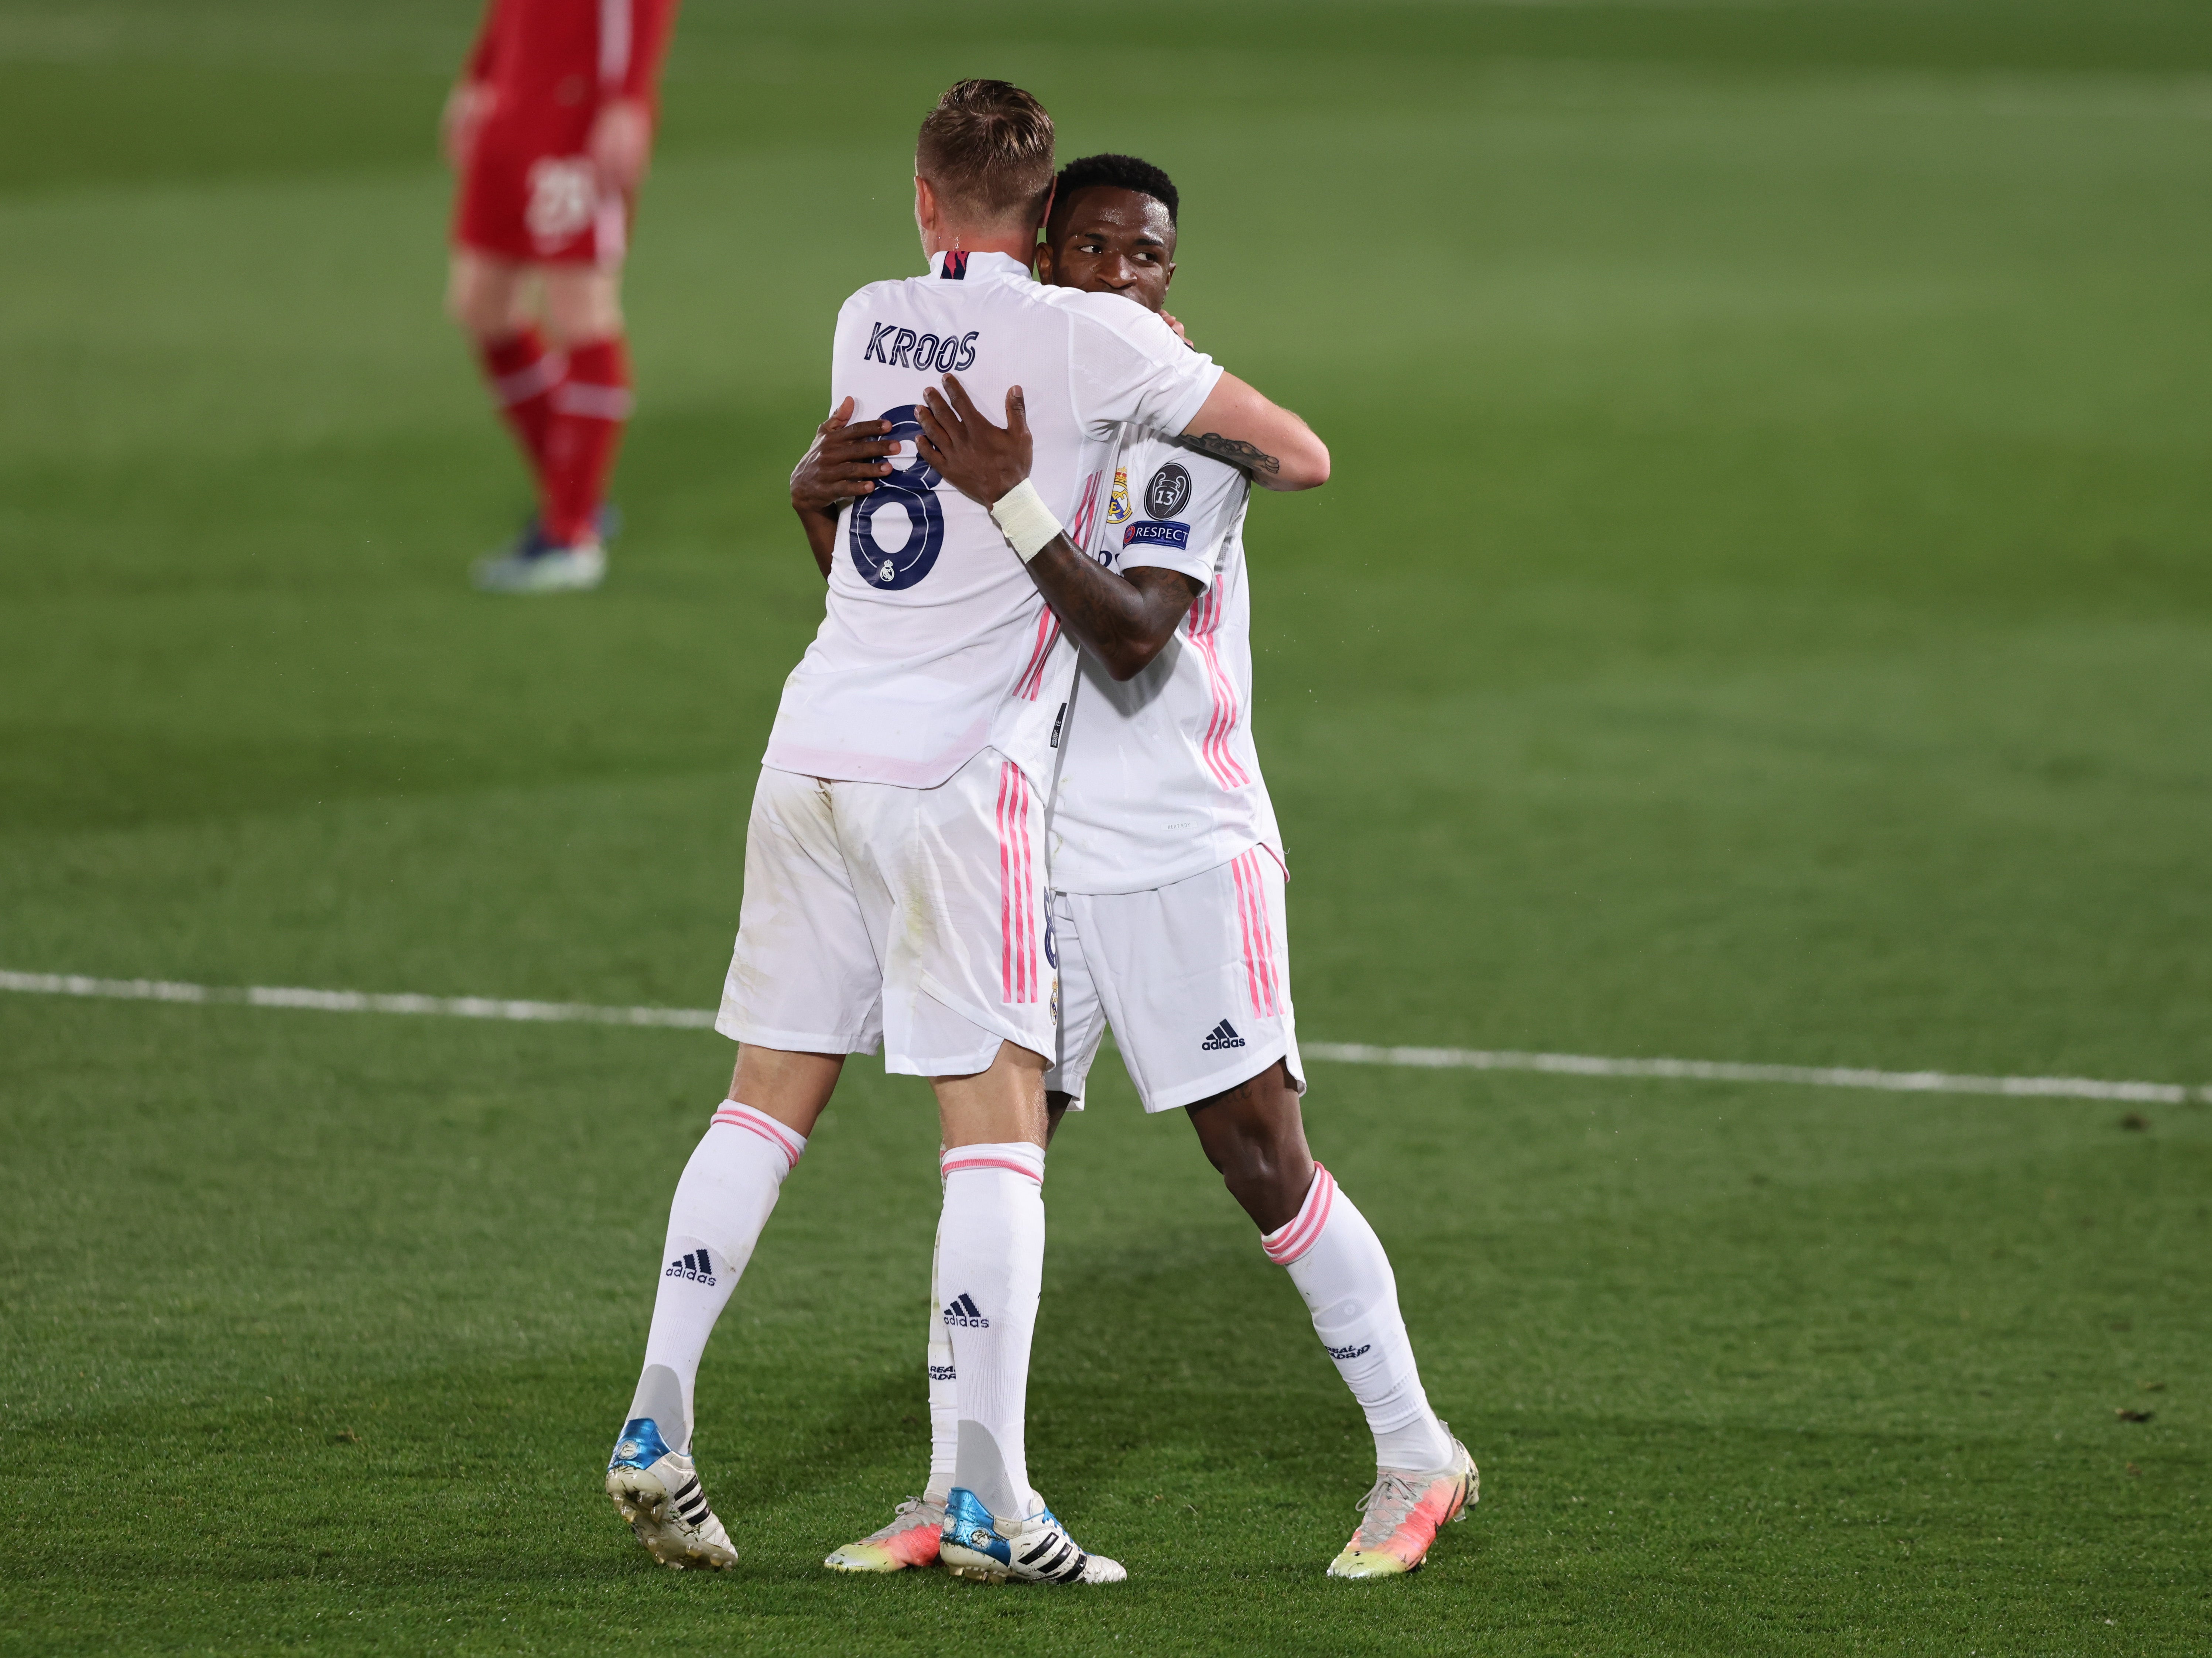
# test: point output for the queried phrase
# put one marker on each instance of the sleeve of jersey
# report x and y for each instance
(1128, 368)
(652, 21)
(1189, 540)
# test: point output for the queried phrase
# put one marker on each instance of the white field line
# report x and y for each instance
(1433, 1059)
(348, 1001)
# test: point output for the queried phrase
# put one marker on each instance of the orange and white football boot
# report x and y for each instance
(910, 1539)
(1403, 1511)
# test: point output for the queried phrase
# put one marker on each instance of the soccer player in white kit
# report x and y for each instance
(1167, 871)
(894, 893)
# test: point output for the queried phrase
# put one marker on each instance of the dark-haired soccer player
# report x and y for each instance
(1167, 869)
(549, 130)
(894, 891)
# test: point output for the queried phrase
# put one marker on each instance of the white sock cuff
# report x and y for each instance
(1018, 1155)
(1291, 1240)
(786, 1138)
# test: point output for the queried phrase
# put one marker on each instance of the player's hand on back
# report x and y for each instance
(847, 456)
(621, 141)
(983, 461)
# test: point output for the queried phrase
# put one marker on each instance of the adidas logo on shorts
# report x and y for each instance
(962, 1311)
(694, 1267)
(1221, 1036)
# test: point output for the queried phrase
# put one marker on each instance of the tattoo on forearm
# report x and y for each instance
(1238, 453)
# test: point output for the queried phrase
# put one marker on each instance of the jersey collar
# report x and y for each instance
(967, 267)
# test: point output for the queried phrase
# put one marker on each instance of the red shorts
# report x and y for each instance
(517, 203)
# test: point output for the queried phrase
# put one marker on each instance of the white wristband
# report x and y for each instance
(1027, 521)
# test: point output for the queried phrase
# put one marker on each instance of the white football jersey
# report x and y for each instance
(935, 642)
(1158, 777)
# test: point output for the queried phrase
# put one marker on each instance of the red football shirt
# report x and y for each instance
(551, 65)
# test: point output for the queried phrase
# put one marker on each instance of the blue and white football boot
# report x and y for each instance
(1032, 1551)
(658, 1491)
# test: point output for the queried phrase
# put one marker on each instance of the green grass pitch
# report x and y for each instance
(1764, 612)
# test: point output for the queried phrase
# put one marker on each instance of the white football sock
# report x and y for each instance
(990, 1267)
(724, 1198)
(944, 1389)
(1340, 1267)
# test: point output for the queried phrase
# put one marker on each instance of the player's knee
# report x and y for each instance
(482, 298)
(1254, 1137)
(581, 305)
(465, 304)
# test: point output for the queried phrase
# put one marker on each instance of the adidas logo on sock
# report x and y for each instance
(1221, 1036)
(1340, 1354)
(694, 1267)
(962, 1311)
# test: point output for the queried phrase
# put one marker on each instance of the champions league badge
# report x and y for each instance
(1168, 492)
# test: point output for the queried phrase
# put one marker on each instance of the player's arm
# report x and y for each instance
(470, 101)
(1273, 447)
(844, 459)
(1125, 621)
(621, 141)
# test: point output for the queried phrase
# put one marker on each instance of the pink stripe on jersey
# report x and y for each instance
(1086, 510)
(1017, 916)
(1205, 624)
(1286, 1246)
(1032, 679)
(759, 1123)
(954, 1164)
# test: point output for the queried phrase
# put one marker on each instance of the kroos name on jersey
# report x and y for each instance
(902, 348)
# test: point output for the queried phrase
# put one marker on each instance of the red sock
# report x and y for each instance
(522, 374)
(589, 408)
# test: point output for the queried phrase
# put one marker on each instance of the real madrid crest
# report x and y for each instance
(1117, 507)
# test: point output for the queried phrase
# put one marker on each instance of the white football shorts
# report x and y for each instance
(909, 920)
(1194, 978)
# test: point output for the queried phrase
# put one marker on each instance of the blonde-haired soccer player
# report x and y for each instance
(895, 887)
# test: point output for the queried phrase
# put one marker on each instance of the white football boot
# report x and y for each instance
(656, 1490)
(910, 1539)
(1033, 1551)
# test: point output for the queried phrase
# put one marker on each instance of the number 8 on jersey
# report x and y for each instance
(914, 491)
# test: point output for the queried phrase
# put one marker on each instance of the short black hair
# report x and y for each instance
(1120, 172)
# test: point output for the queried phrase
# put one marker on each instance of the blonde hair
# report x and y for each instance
(987, 150)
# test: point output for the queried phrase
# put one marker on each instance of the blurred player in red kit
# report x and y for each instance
(548, 130)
